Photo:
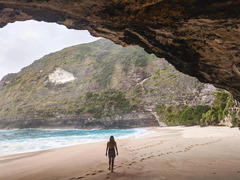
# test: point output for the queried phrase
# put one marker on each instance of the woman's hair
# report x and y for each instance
(111, 140)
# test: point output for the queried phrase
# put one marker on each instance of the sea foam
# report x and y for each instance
(30, 140)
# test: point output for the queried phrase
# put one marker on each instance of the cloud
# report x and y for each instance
(23, 42)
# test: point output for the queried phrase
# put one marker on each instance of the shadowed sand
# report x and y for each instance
(168, 153)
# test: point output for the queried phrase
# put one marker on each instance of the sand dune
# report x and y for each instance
(167, 153)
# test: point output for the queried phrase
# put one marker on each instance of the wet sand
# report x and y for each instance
(210, 153)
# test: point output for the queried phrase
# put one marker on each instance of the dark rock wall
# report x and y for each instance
(131, 120)
(199, 37)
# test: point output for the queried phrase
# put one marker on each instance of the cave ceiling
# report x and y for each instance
(200, 38)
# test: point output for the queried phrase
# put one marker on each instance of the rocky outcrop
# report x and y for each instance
(233, 115)
(6, 80)
(60, 76)
(199, 37)
(131, 120)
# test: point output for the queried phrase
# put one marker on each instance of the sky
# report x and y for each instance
(21, 43)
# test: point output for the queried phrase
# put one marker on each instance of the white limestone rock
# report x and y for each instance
(60, 76)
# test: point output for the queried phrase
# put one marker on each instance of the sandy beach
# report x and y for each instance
(166, 153)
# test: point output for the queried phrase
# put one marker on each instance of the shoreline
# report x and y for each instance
(167, 153)
(141, 131)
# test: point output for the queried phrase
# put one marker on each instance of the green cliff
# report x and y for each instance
(97, 85)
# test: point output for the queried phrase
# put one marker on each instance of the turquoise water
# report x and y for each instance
(29, 140)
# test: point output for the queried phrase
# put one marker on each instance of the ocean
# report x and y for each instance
(30, 140)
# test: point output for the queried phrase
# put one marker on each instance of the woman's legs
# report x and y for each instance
(109, 163)
(112, 163)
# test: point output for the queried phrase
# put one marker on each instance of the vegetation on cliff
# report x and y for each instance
(109, 80)
(181, 114)
(106, 103)
(223, 105)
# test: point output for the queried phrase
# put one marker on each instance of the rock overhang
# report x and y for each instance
(199, 37)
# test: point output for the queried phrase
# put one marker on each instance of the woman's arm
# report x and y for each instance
(107, 148)
(116, 148)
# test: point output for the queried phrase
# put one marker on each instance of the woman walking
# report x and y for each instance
(110, 150)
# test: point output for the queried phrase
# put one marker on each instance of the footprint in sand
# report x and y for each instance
(80, 177)
(101, 171)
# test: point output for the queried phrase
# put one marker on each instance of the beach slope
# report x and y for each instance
(166, 153)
